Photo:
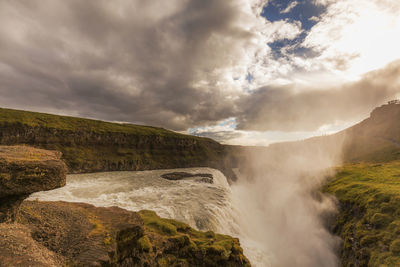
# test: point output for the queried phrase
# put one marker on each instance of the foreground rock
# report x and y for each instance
(25, 170)
(90, 236)
(18, 249)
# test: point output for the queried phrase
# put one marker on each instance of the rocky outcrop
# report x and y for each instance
(25, 170)
(88, 236)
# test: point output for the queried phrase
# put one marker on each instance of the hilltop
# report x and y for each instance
(375, 139)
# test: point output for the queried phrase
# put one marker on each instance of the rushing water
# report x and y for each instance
(204, 206)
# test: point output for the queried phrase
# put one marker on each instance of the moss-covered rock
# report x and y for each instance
(395, 247)
(88, 236)
(166, 242)
(25, 170)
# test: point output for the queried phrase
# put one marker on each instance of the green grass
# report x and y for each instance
(36, 119)
(219, 248)
(369, 222)
(25, 153)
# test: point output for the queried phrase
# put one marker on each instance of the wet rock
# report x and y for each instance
(25, 170)
(198, 177)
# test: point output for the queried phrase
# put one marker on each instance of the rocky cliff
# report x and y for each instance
(77, 234)
(91, 145)
(23, 171)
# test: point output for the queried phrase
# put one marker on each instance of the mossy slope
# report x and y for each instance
(168, 242)
(369, 219)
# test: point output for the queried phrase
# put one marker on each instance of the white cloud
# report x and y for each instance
(290, 7)
(356, 36)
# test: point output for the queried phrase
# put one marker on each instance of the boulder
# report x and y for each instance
(23, 171)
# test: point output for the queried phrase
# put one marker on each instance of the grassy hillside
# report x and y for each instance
(369, 221)
(36, 119)
(376, 139)
(92, 145)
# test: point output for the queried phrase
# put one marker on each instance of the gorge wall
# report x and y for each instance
(92, 146)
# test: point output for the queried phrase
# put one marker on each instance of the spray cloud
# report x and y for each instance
(282, 210)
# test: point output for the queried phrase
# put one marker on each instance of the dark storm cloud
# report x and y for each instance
(288, 109)
(132, 61)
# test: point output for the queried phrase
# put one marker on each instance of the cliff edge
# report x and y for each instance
(23, 171)
(77, 234)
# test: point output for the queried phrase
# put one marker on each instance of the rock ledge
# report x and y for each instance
(23, 171)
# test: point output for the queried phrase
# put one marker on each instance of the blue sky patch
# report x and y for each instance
(249, 77)
(303, 11)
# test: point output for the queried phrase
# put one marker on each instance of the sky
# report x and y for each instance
(249, 72)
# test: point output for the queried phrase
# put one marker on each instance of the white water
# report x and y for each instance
(203, 206)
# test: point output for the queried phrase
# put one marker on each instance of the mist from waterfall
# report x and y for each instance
(282, 209)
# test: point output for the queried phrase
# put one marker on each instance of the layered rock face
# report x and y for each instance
(25, 170)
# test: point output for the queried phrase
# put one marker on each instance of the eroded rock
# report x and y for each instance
(23, 171)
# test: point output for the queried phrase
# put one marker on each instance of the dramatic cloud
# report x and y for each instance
(187, 64)
(138, 61)
(356, 36)
(293, 109)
